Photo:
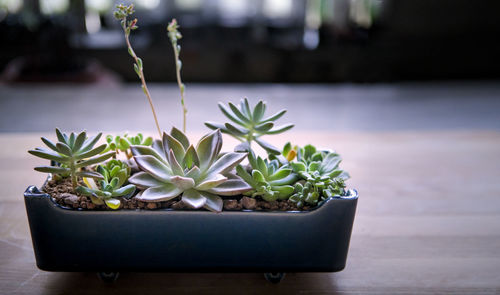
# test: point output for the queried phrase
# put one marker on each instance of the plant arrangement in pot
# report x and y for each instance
(287, 192)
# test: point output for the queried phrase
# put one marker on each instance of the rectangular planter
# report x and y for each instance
(190, 241)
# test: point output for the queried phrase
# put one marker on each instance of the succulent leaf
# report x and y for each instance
(52, 169)
(181, 137)
(193, 198)
(89, 174)
(172, 144)
(226, 163)
(213, 202)
(208, 148)
(144, 180)
(154, 167)
(270, 149)
(191, 158)
(113, 203)
(210, 183)
(164, 192)
(139, 150)
(183, 183)
(91, 153)
(231, 187)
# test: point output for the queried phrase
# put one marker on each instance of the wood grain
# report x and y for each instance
(428, 222)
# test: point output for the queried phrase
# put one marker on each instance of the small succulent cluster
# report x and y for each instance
(122, 143)
(72, 153)
(176, 167)
(250, 124)
(267, 179)
(115, 174)
(321, 176)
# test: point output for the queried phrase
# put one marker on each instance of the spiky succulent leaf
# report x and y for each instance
(72, 153)
(249, 124)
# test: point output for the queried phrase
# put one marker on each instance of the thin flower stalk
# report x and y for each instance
(121, 14)
(174, 35)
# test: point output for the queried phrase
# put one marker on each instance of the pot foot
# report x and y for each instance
(108, 277)
(274, 277)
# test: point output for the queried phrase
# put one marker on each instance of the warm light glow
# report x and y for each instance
(92, 22)
(53, 6)
(98, 5)
(277, 8)
(148, 4)
(12, 6)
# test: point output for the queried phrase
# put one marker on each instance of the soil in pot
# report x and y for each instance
(63, 194)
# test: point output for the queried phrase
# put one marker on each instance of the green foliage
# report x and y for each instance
(122, 143)
(174, 167)
(267, 179)
(249, 124)
(311, 192)
(73, 152)
(115, 173)
(174, 35)
(321, 173)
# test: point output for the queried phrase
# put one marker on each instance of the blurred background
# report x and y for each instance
(374, 64)
(254, 41)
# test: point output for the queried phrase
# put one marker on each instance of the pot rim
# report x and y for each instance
(33, 191)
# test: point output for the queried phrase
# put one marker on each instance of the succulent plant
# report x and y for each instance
(268, 180)
(250, 124)
(73, 153)
(121, 13)
(122, 143)
(323, 178)
(174, 167)
(115, 174)
(310, 193)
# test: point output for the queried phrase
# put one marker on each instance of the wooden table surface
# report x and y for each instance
(428, 221)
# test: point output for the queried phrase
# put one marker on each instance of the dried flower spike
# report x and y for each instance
(121, 13)
(174, 35)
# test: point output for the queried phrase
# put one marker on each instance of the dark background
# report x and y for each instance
(257, 41)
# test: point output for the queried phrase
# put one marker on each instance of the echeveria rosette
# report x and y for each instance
(322, 176)
(115, 174)
(267, 179)
(250, 124)
(177, 167)
(73, 152)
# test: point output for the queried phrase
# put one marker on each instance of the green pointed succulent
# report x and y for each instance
(267, 179)
(73, 153)
(174, 167)
(122, 143)
(323, 178)
(115, 174)
(249, 124)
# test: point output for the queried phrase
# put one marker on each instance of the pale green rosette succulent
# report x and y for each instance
(173, 167)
